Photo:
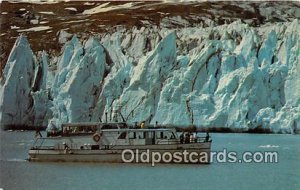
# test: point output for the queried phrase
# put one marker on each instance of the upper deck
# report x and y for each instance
(107, 134)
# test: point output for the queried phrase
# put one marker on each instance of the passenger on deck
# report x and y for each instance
(207, 137)
(195, 137)
(181, 138)
(65, 131)
(187, 138)
(191, 138)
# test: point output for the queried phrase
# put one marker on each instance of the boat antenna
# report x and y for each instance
(105, 117)
(122, 117)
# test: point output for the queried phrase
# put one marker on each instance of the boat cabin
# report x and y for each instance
(143, 136)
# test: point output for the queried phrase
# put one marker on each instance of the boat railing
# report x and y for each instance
(49, 142)
(39, 142)
(188, 141)
(201, 139)
(167, 141)
(191, 140)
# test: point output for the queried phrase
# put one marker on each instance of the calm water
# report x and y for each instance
(16, 173)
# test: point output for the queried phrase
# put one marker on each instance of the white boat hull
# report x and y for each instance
(114, 154)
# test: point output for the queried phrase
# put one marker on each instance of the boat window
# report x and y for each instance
(122, 135)
(166, 135)
(140, 135)
(108, 126)
(173, 136)
(132, 135)
(159, 134)
(95, 147)
(150, 134)
(75, 130)
(122, 125)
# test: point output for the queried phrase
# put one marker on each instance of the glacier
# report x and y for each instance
(233, 75)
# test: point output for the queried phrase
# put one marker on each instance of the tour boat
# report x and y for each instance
(116, 142)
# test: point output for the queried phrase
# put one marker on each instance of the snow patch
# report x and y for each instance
(105, 8)
(34, 21)
(71, 9)
(44, 22)
(14, 27)
(88, 3)
(47, 12)
(76, 21)
(35, 29)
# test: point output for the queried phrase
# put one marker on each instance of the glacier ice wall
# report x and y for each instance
(232, 75)
(78, 82)
(23, 95)
(15, 98)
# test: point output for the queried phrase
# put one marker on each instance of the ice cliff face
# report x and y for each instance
(15, 98)
(23, 100)
(78, 82)
(231, 75)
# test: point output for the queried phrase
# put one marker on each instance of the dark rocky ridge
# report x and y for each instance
(153, 12)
